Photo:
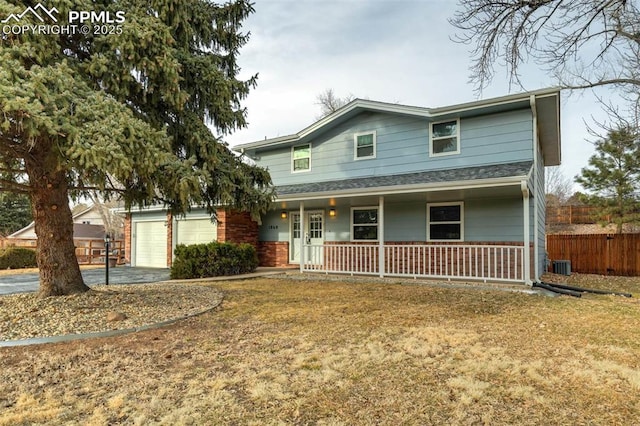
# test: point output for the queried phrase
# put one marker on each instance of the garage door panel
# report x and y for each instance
(151, 244)
(196, 231)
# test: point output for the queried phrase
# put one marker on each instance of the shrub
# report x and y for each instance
(213, 259)
(17, 257)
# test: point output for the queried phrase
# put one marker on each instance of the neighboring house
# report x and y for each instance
(87, 225)
(393, 190)
(88, 236)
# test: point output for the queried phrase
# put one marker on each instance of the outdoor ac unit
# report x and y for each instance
(562, 267)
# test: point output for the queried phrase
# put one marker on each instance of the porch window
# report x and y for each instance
(364, 145)
(364, 223)
(445, 221)
(445, 138)
(301, 158)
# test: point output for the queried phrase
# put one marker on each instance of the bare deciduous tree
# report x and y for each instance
(558, 187)
(584, 43)
(330, 103)
(113, 222)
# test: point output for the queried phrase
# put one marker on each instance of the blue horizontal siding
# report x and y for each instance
(495, 219)
(485, 220)
(274, 227)
(405, 221)
(402, 146)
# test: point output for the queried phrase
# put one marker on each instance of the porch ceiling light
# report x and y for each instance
(283, 214)
(332, 212)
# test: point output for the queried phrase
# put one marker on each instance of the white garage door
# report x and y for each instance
(151, 244)
(196, 231)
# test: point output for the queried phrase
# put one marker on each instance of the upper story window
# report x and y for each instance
(364, 145)
(445, 138)
(445, 221)
(301, 158)
(364, 223)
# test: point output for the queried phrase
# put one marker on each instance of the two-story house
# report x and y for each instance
(392, 190)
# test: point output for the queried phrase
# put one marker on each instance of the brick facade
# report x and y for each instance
(273, 253)
(237, 227)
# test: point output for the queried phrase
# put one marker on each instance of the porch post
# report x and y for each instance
(527, 238)
(381, 266)
(302, 241)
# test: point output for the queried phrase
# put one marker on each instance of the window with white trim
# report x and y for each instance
(364, 145)
(301, 158)
(444, 138)
(445, 221)
(364, 223)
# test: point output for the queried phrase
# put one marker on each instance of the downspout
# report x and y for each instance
(527, 239)
(536, 181)
(302, 236)
(381, 265)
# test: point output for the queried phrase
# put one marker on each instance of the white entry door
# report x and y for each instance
(313, 235)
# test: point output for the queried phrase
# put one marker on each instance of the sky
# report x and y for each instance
(397, 51)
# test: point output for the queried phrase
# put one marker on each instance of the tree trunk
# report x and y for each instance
(56, 257)
(620, 219)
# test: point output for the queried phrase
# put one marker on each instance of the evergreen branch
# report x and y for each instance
(11, 186)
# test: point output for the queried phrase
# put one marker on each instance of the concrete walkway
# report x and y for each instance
(24, 283)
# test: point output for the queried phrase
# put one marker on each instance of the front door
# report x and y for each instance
(313, 235)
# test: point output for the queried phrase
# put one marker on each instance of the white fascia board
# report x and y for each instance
(267, 142)
(155, 208)
(406, 189)
(87, 210)
(139, 209)
(20, 231)
(503, 100)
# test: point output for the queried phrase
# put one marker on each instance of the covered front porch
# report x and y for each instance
(466, 233)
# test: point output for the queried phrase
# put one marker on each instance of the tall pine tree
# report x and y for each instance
(613, 177)
(126, 114)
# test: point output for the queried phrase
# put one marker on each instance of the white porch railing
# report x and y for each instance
(473, 262)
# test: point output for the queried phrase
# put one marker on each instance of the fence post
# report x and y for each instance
(570, 215)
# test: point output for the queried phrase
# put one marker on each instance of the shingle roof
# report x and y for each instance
(88, 231)
(429, 177)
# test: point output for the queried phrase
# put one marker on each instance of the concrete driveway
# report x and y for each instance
(22, 283)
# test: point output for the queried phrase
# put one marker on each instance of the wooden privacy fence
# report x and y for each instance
(91, 252)
(604, 254)
(574, 215)
(88, 251)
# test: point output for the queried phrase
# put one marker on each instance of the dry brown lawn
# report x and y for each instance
(335, 353)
